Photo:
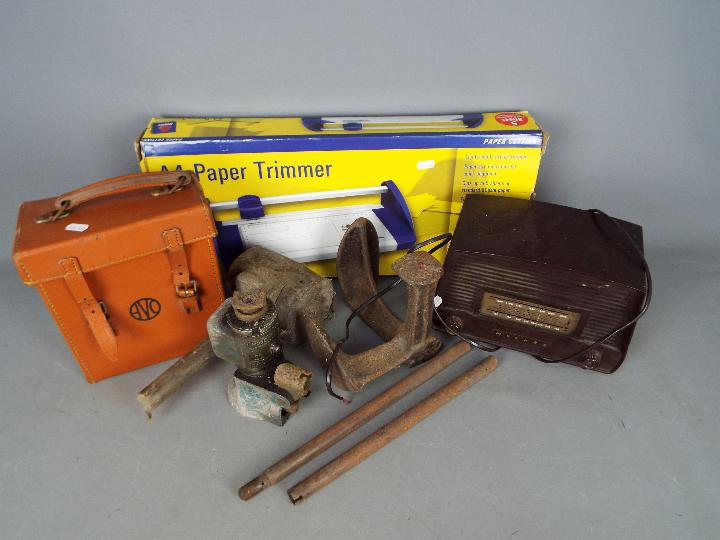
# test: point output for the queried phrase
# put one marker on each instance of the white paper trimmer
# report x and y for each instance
(313, 235)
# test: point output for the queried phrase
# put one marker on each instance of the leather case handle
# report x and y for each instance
(166, 182)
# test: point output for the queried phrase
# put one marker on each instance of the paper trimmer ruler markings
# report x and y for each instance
(313, 235)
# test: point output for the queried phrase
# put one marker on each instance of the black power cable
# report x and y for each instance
(646, 299)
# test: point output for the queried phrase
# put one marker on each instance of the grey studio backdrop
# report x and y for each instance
(628, 92)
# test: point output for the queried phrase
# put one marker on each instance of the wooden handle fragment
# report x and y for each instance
(170, 380)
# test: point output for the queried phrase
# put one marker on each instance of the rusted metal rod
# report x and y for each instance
(315, 446)
(390, 431)
(170, 380)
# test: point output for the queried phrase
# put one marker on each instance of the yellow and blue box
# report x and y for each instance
(294, 184)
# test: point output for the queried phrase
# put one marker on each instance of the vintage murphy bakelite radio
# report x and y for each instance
(127, 267)
(562, 284)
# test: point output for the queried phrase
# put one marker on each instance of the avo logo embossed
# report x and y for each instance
(144, 309)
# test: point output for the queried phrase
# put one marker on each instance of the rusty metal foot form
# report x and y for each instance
(407, 342)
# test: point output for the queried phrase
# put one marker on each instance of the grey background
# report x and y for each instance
(629, 94)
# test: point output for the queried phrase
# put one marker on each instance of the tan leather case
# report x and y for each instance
(127, 267)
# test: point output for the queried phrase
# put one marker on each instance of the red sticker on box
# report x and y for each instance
(511, 118)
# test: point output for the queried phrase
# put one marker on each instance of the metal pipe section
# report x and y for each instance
(315, 446)
(390, 431)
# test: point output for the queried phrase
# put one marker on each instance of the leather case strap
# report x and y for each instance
(93, 311)
(166, 182)
(185, 287)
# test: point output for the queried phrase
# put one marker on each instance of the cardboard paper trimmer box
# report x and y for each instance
(294, 184)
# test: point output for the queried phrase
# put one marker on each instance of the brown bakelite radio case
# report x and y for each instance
(544, 279)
